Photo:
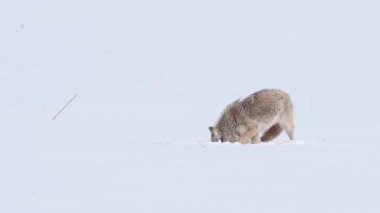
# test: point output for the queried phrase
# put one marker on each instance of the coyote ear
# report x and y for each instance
(214, 130)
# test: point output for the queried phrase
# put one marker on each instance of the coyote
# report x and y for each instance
(267, 111)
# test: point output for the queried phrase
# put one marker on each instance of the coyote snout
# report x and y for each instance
(267, 111)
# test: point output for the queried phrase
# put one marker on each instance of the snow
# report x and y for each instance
(151, 76)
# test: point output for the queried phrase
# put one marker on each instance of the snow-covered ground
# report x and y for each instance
(151, 76)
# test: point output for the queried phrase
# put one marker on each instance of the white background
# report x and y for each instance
(153, 75)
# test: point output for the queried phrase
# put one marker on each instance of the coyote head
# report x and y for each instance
(215, 134)
(227, 126)
(226, 135)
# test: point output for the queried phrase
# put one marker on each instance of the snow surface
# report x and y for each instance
(151, 76)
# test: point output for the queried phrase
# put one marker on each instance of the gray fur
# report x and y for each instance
(246, 119)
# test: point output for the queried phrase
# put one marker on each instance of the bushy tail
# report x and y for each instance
(271, 133)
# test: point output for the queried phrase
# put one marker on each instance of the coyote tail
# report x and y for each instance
(271, 133)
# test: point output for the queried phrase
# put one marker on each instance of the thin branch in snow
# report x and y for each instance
(64, 107)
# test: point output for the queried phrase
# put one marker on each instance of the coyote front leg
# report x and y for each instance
(252, 132)
(256, 139)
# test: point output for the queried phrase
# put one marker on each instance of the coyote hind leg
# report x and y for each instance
(289, 126)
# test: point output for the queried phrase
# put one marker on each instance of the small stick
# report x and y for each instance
(283, 142)
(64, 107)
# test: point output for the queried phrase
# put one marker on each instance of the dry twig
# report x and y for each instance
(64, 107)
